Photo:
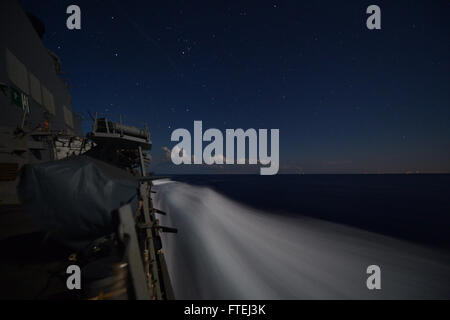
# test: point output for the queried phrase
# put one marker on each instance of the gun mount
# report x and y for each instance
(121, 145)
(105, 131)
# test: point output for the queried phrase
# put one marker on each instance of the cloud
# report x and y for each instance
(166, 152)
(217, 158)
(180, 152)
(176, 149)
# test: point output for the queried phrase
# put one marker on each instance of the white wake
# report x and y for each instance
(225, 250)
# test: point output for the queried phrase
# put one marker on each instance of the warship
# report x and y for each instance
(68, 199)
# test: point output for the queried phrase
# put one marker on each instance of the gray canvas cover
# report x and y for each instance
(76, 196)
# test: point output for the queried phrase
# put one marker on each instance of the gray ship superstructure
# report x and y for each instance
(35, 102)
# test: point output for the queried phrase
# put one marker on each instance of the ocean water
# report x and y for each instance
(306, 237)
(410, 207)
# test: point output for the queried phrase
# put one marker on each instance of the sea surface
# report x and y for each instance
(413, 207)
(306, 236)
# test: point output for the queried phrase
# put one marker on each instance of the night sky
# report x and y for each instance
(346, 99)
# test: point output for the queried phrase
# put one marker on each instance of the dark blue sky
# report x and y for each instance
(346, 99)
